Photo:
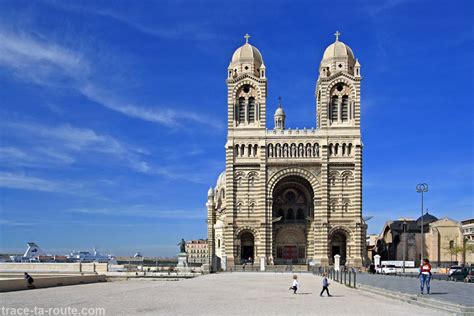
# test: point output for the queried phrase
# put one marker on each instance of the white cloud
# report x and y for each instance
(60, 145)
(49, 64)
(38, 60)
(24, 182)
(146, 212)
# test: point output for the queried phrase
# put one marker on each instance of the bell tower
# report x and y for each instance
(246, 89)
(338, 88)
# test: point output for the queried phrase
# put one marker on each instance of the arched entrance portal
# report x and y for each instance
(247, 243)
(338, 246)
(292, 212)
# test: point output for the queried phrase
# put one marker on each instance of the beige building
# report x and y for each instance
(468, 229)
(442, 241)
(290, 195)
(197, 251)
(468, 232)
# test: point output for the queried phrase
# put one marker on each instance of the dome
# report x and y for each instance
(337, 57)
(247, 54)
(221, 180)
(279, 112)
(338, 50)
(427, 219)
(247, 59)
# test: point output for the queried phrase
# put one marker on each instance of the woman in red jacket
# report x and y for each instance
(425, 275)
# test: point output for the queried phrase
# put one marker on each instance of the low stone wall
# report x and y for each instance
(12, 267)
(43, 282)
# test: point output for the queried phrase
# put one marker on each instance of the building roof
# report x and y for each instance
(427, 219)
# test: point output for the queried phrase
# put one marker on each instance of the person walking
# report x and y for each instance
(295, 284)
(425, 275)
(325, 285)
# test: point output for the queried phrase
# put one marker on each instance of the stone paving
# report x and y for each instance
(448, 291)
(217, 294)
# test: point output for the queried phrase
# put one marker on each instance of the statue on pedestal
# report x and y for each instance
(182, 246)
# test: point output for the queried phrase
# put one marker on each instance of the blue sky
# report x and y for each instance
(113, 113)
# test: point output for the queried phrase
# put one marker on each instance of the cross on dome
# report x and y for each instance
(279, 101)
(246, 36)
(337, 36)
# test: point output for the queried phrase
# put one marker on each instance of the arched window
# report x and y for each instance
(345, 109)
(255, 150)
(241, 110)
(289, 214)
(349, 150)
(251, 110)
(218, 243)
(300, 214)
(334, 111)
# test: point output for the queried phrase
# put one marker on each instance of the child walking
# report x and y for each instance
(325, 285)
(295, 284)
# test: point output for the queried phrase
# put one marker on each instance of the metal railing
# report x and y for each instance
(346, 277)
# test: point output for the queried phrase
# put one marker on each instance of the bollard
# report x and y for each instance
(350, 274)
(345, 274)
(355, 284)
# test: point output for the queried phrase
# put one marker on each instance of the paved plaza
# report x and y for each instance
(217, 294)
(446, 291)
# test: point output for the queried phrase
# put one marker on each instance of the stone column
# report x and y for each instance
(337, 262)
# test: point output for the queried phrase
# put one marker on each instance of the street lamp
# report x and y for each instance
(404, 225)
(422, 188)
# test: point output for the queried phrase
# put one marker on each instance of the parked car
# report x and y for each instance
(453, 269)
(387, 269)
(462, 274)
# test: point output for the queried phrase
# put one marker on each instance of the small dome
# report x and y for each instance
(221, 180)
(427, 219)
(210, 192)
(279, 112)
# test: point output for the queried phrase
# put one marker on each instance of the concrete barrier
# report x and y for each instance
(12, 267)
(43, 282)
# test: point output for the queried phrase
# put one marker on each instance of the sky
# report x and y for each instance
(113, 113)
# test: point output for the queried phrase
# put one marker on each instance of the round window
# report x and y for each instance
(247, 88)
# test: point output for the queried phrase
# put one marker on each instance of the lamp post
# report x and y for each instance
(422, 188)
(404, 243)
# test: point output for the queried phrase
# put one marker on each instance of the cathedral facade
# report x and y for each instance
(289, 196)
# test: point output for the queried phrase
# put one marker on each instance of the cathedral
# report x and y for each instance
(289, 196)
